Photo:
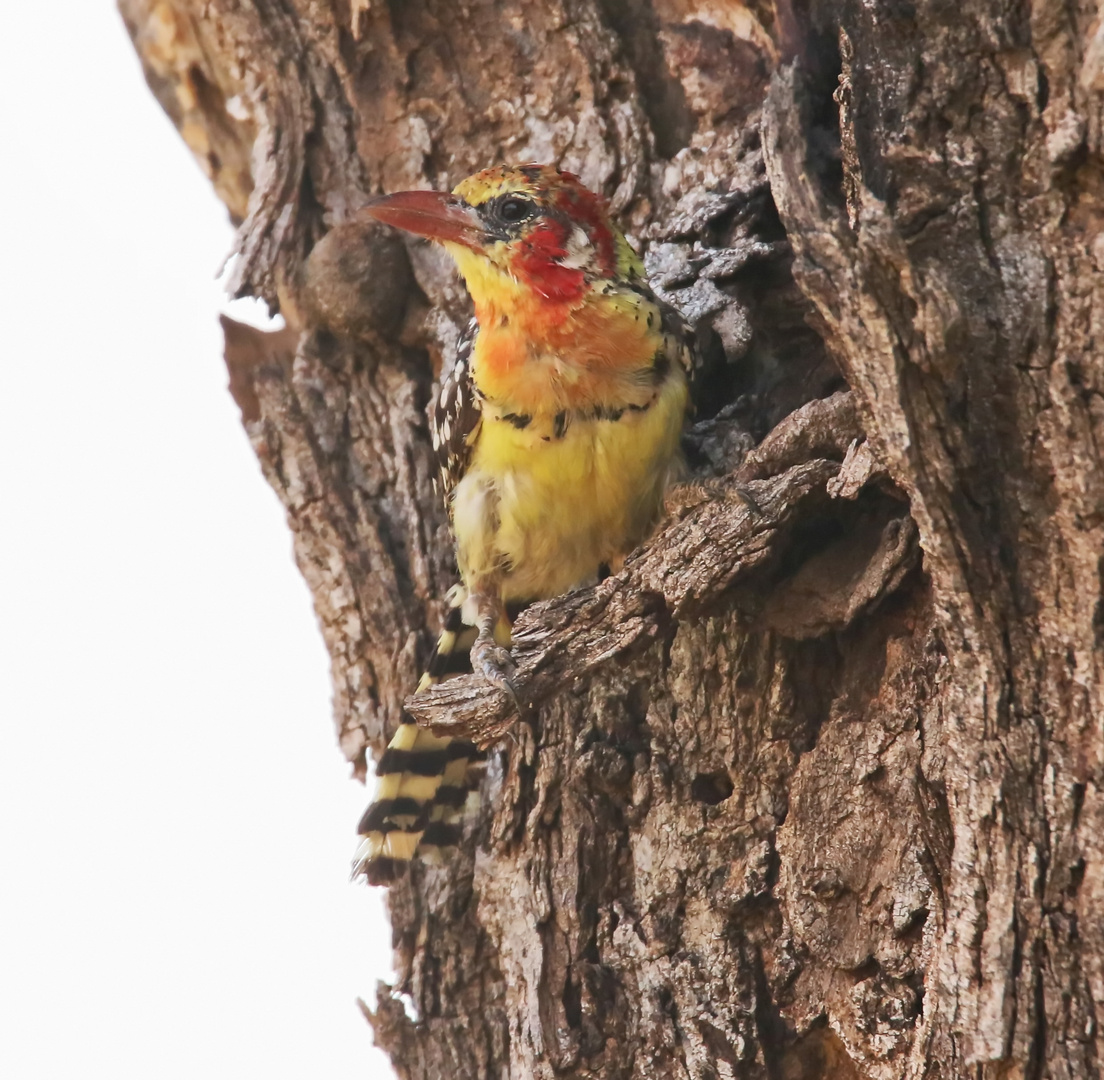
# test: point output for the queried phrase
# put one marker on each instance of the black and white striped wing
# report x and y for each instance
(456, 415)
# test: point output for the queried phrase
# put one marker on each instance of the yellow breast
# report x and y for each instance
(543, 507)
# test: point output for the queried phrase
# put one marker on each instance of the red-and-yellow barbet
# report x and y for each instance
(556, 428)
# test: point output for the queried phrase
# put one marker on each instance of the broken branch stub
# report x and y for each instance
(718, 542)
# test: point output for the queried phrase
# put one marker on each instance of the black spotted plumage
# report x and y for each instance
(522, 533)
(456, 415)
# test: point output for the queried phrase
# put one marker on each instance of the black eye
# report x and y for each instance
(513, 210)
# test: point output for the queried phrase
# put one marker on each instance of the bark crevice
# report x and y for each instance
(812, 788)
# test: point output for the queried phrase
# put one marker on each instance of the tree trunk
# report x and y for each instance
(813, 787)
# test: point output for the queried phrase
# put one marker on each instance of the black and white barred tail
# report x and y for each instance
(422, 779)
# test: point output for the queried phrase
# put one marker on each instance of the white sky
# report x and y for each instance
(176, 821)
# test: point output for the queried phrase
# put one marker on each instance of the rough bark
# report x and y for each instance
(813, 787)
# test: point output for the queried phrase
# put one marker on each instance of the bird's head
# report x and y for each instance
(519, 235)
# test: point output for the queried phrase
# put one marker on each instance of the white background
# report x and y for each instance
(176, 821)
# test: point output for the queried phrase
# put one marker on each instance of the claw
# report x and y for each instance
(494, 663)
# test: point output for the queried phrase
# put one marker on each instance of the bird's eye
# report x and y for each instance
(513, 210)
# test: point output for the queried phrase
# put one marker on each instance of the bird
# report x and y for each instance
(556, 430)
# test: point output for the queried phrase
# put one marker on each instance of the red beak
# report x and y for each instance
(431, 214)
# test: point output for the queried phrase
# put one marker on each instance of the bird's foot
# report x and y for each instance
(494, 663)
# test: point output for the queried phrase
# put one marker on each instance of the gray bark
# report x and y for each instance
(813, 788)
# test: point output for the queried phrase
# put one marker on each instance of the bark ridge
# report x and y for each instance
(812, 788)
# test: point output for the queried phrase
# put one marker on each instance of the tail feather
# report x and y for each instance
(443, 829)
(423, 779)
